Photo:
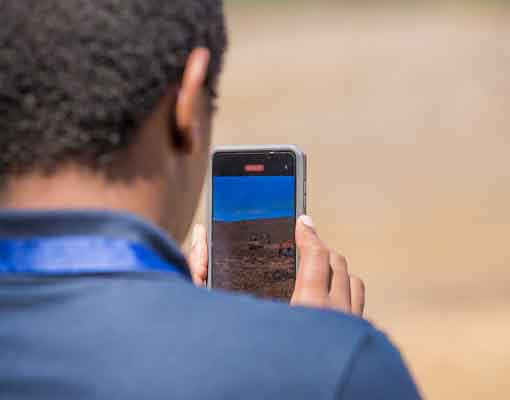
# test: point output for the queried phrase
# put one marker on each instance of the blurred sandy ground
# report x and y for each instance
(404, 112)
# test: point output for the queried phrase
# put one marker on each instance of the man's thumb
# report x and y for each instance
(198, 256)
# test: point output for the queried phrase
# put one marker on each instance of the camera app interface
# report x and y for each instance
(253, 225)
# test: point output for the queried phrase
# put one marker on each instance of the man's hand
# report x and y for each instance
(323, 280)
(198, 257)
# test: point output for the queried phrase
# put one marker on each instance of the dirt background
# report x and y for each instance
(404, 112)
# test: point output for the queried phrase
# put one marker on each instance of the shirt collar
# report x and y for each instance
(23, 225)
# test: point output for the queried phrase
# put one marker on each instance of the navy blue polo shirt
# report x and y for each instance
(81, 242)
(99, 305)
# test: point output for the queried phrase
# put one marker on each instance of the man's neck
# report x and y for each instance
(77, 188)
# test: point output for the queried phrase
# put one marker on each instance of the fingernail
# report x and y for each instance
(308, 221)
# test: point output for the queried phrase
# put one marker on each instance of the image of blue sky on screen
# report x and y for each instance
(244, 198)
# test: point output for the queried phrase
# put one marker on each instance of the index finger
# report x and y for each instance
(313, 278)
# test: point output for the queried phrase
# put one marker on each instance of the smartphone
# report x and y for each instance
(256, 195)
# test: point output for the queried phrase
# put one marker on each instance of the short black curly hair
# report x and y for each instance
(77, 77)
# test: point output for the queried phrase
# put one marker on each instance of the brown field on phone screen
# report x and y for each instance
(255, 257)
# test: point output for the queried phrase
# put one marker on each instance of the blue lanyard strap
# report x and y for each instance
(78, 255)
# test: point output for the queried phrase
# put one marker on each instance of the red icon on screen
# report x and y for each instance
(254, 168)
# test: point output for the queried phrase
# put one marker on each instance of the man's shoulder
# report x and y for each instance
(216, 307)
(267, 345)
(145, 326)
(312, 353)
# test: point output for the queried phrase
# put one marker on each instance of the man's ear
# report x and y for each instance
(189, 101)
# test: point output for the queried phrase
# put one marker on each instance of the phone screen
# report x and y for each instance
(254, 217)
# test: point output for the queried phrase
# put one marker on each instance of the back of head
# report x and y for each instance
(77, 77)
